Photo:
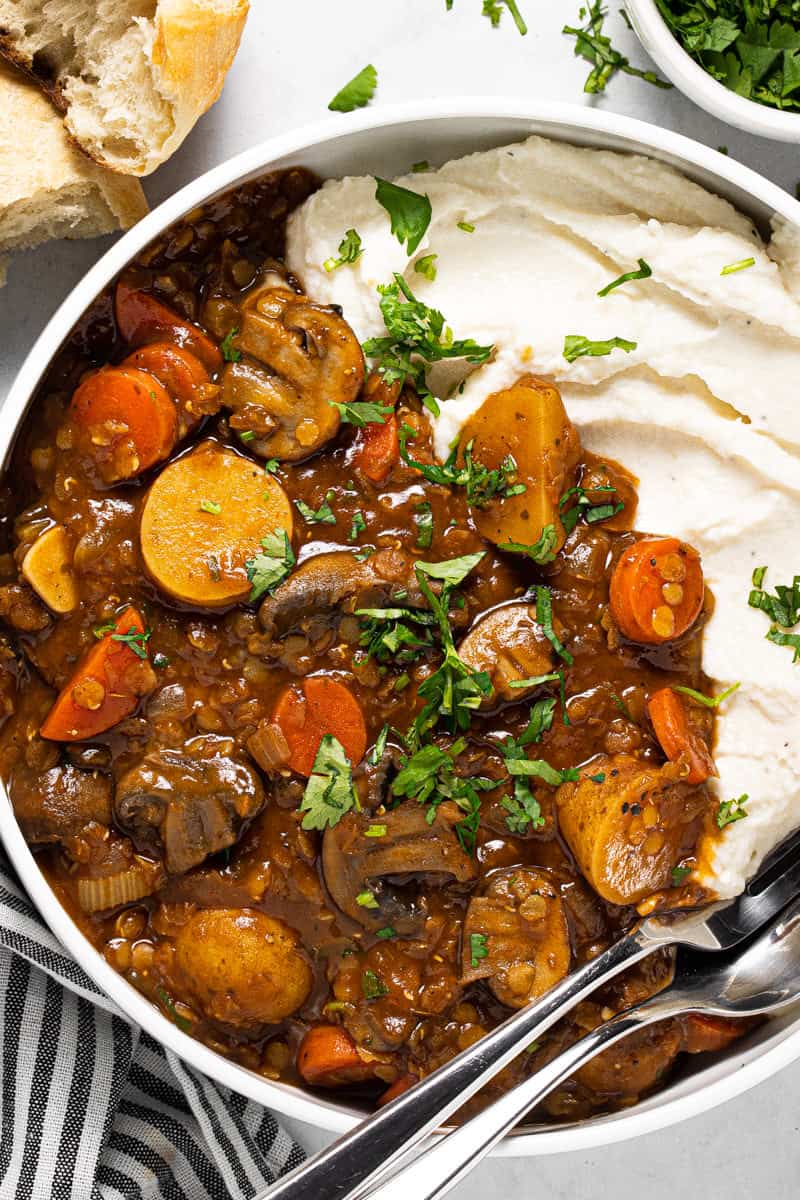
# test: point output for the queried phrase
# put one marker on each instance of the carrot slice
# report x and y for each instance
(657, 590)
(105, 686)
(327, 1057)
(184, 376)
(377, 449)
(306, 711)
(204, 520)
(705, 1034)
(141, 318)
(126, 421)
(677, 738)
(396, 1089)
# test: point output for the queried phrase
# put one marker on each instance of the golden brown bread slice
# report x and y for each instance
(48, 188)
(131, 76)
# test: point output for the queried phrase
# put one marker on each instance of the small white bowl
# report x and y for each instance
(682, 70)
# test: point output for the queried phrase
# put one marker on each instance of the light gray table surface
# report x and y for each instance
(294, 57)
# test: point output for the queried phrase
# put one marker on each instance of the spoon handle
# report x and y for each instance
(368, 1152)
(435, 1171)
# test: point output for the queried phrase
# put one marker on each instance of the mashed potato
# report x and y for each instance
(705, 409)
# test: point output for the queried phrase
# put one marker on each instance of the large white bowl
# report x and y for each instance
(385, 142)
(696, 83)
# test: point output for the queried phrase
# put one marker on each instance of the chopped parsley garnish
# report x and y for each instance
(585, 508)
(211, 506)
(782, 607)
(429, 777)
(350, 251)
(706, 701)
(135, 639)
(426, 266)
(357, 526)
(523, 810)
(419, 167)
(247, 435)
(376, 831)
(372, 987)
(750, 47)
(423, 516)
(493, 9)
(324, 515)
(386, 932)
(535, 680)
(357, 93)
(329, 792)
(483, 484)
(271, 466)
(366, 900)
(465, 226)
(388, 634)
(543, 551)
(379, 749)
(478, 948)
(744, 263)
(644, 272)
(266, 570)
(679, 874)
(416, 337)
(595, 47)
(182, 1022)
(160, 660)
(577, 346)
(732, 810)
(539, 769)
(364, 553)
(362, 412)
(544, 615)
(409, 212)
(231, 354)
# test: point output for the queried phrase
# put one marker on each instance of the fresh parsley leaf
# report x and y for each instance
(577, 346)
(644, 272)
(211, 506)
(386, 932)
(732, 810)
(543, 551)
(182, 1022)
(231, 354)
(523, 811)
(271, 466)
(379, 749)
(423, 516)
(539, 769)
(376, 831)
(478, 948)
(409, 212)
(416, 337)
(367, 900)
(372, 987)
(595, 47)
(482, 483)
(535, 680)
(706, 701)
(420, 167)
(544, 615)
(679, 874)
(247, 435)
(465, 226)
(585, 508)
(452, 571)
(782, 607)
(160, 660)
(357, 93)
(324, 515)
(388, 634)
(429, 777)
(426, 266)
(135, 639)
(350, 251)
(329, 792)
(265, 571)
(742, 265)
(362, 412)
(357, 526)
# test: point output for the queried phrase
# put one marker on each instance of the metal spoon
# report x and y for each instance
(764, 979)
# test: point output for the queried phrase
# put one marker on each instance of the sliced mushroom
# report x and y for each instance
(299, 356)
(516, 936)
(628, 822)
(59, 804)
(182, 805)
(363, 850)
(47, 567)
(336, 580)
(510, 645)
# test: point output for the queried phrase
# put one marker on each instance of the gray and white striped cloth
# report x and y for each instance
(92, 1107)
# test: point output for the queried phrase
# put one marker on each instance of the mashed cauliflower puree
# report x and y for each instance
(705, 410)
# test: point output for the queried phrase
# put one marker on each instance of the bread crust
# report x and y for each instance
(194, 43)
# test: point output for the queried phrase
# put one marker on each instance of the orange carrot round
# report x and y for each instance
(706, 1034)
(306, 711)
(676, 736)
(106, 685)
(377, 449)
(657, 590)
(396, 1089)
(327, 1057)
(182, 375)
(126, 421)
(141, 318)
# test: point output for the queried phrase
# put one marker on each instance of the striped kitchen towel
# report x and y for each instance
(93, 1108)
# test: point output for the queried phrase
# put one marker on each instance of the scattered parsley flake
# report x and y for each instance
(577, 346)
(732, 810)
(482, 484)
(266, 570)
(706, 701)
(379, 749)
(230, 353)
(478, 948)
(376, 831)
(182, 1022)
(386, 932)
(423, 516)
(324, 515)
(595, 47)
(419, 167)
(426, 266)
(367, 899)
(465, 226)
(357, 525)
(362, 412)
(372, 987)
(585, 509)
(679, 874)
(357, 93)
(782, 607)
(542, 552)
(350, 251)
(644, 272)
(135, 639)
(211, 506)
(742, 265)
(544, 615)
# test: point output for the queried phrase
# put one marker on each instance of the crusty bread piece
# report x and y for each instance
(131, 76)
(49, 188)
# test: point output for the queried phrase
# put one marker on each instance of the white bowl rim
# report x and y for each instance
(696, 83)
(531, 114)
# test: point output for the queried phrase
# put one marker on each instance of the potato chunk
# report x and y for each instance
(628, 823)
(527, 421)
(516, 937)
(48, 569)
(242, 967)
